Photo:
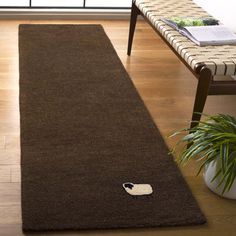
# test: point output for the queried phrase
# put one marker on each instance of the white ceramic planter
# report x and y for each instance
(209, 173)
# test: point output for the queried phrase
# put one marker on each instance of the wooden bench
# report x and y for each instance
(204, 62)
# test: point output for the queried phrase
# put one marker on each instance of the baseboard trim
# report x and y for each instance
(64, 14)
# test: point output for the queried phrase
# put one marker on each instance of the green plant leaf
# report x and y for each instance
(212, 139)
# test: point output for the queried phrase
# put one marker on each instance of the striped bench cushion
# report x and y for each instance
(221, 60)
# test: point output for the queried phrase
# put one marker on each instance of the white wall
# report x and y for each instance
(8, 3)
(223, 10)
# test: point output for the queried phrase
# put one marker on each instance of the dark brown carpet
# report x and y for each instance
(84, 132)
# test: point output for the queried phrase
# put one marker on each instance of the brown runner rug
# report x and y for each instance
(84, 132)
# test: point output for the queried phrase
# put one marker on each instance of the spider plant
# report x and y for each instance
(212, 140)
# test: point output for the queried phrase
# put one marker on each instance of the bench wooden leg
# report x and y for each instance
(133, 19)
(204, 83)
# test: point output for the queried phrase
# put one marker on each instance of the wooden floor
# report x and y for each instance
(167, 89)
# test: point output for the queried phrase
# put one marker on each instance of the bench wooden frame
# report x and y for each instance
(206, 85)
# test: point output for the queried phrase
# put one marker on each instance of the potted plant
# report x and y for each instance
(213, 143)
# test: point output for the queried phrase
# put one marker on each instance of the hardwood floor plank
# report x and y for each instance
(9, 157)
(5, 174)
(9, 195)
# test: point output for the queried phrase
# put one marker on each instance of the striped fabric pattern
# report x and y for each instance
(221, 60)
